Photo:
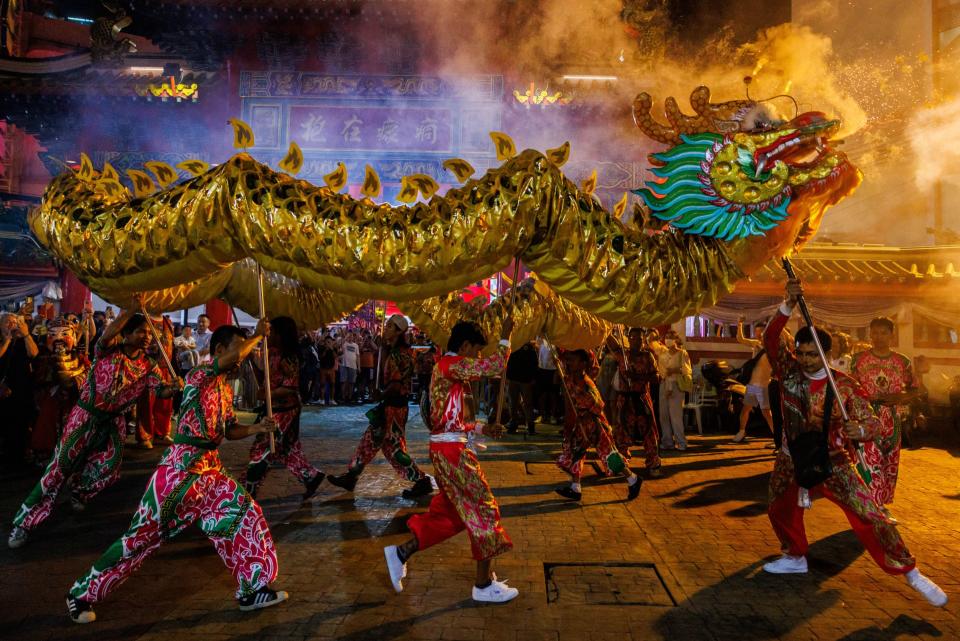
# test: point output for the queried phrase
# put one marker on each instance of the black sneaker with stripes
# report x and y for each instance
(80, 611)
(262, 598)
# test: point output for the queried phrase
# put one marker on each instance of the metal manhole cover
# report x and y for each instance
(606, 584)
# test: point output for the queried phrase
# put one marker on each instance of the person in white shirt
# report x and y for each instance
(349, 366)
(548, 386)
(674, 364)
(186, 345)
(202, 336)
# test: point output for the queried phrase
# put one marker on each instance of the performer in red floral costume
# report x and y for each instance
(190, 485)
(388, 420)
(805, 396)
(285, 394)
(465, 500)
(153, 411)
(90, 450)
(585, 426)
(634, 418)
(887, 376)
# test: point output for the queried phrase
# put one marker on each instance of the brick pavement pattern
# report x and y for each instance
(682, 562)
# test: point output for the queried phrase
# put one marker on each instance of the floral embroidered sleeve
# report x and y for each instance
(156, 377)
(857, 404)
(468, 369)
(782, 360)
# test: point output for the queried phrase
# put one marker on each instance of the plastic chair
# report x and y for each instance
(696, 401)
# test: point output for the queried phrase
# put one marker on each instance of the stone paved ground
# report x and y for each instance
(681, 562)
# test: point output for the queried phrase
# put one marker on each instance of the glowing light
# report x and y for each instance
(167, 90)
(145, 69)
(590, 77)
(541, 97)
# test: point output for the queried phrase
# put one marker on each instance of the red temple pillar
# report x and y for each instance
(220, 313)
(75, 293)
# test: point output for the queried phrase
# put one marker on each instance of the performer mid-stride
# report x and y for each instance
(585, 426)
(191, 485)
(285, 396)
(388, 420)
(465, 500)
(89, 452)
(805, 395)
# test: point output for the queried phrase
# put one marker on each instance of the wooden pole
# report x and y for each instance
(383, 326)
(503, 375)
(268, 398)
(156, 337)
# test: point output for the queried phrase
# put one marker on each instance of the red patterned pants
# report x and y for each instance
(174, 500)
(634, 426)
(289, 452)
(465, 501)
(88, 454)
(577, 439)
(846, 489)
(153, 417)
(391, 439)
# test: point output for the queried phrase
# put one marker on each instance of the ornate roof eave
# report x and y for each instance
(853, 264)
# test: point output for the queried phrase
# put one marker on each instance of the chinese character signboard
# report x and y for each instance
(398, 124)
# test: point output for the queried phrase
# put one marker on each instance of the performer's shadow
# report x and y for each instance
(717, 491)
(700, 464)
(733, 607)
(903, 625)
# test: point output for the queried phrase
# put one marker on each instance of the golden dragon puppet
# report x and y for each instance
(736, 188)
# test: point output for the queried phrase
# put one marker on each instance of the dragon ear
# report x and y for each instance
(426, 185)
(559, 155)
(193, 166)
(408, 191)
(242, 133)
(460, 168)
(86, 172)
(337, 179)
(589, 185)
(165, 173)
(109, 173)
(293, 161)
(371, 183)
(620, 207)
(504, 145)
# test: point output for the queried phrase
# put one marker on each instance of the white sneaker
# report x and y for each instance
(496, 592)
(397, 570)
(930, 590)
(18, 538)
(787, 564)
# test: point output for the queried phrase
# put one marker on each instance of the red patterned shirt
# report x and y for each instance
(205, 414)
(115, 381)
(803, 398)
(447, 389)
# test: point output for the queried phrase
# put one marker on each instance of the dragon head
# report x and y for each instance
(735, 170)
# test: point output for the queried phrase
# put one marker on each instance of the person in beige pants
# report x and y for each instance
(673, 363)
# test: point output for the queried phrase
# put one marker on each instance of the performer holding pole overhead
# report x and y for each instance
(465, 500)
(824, 414)
(90, 449)
(190, 485)
(503, 375)
(266, 360)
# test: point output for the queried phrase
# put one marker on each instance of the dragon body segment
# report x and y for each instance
(351, 249)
